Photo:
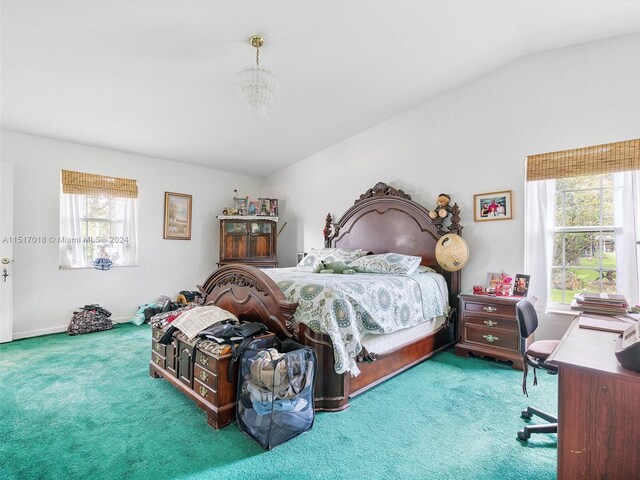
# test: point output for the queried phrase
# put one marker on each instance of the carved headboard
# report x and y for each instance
(385, 219)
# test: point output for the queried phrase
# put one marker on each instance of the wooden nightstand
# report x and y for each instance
(488, 328)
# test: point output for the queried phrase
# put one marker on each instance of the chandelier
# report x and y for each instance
(256, 85)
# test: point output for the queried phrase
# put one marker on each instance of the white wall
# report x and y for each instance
(470, 140)
(44, 296)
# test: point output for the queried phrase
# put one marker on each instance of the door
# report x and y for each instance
(6, 252)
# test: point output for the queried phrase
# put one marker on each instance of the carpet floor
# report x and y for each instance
(86, 407)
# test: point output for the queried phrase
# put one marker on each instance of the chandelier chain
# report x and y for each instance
(258, 56)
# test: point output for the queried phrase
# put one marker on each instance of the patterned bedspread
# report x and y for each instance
(347, 307)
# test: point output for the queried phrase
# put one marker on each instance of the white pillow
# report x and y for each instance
(387, 263)
(315, 256)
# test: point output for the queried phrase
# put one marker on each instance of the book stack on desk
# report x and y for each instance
(600, 303)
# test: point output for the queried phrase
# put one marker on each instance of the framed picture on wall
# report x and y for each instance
(177, 216)
(493, 206)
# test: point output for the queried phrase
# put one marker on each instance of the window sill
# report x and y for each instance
(91, 267)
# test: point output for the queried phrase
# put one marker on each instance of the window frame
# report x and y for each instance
(601, 229)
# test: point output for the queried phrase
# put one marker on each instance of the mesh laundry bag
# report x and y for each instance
(275, 391)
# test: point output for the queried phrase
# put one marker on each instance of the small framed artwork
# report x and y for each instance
(265, 206)
(254, 207)
(177, 216)
(274, 207)
(493, 206)
(521, 285)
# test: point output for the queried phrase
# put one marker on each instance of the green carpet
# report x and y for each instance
(85, 407)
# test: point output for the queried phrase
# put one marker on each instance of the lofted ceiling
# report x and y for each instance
(156, 78)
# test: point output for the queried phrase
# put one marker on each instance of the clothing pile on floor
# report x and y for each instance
(275, 393)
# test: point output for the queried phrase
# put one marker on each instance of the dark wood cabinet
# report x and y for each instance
(250, 240)
(489, 328)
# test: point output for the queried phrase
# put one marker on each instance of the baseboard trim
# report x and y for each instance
(59, 329)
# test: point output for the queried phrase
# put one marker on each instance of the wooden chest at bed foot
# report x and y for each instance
(200, 373)
(488, 328)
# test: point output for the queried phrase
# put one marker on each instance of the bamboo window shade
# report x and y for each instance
(599, 159)
(79, 183)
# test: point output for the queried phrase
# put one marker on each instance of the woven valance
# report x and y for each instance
(79, 183)
(599, 159)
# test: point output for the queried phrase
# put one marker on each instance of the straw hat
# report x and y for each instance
(452, 252)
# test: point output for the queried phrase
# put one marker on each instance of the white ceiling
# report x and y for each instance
(156, 78)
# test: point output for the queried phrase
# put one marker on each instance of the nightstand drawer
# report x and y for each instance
(493, 309)
(492, 337)
(491, 322)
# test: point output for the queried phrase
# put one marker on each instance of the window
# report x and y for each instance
(582, 223)
(98, 219)
(584, 254)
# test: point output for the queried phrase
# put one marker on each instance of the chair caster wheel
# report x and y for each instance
(525, 414)
(524, 435)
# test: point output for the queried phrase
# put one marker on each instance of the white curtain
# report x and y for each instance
(539, 222)
(123, 252)
(128, 250)
(626, 202)
(71, 234)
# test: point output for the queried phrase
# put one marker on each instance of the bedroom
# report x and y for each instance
(85, 89)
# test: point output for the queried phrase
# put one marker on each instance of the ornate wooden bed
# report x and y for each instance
(382, 220)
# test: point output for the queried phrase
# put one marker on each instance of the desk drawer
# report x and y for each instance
(492, 337)
(492, 309)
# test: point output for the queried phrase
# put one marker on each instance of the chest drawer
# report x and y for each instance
(210, 379)
(491, 322)
(491, 337)
(205, 392)
(158, 348)
(492, 309)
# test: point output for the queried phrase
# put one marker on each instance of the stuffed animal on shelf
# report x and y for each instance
(334, 267)
(442, 209)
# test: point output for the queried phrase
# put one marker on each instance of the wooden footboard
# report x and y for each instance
(252, 296)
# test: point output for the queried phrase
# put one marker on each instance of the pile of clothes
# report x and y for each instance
(276, 392)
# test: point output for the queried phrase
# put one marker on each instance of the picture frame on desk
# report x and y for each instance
(521, 285)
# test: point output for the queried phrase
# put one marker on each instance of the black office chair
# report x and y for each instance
(535, 356)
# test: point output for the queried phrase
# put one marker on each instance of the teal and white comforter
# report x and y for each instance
(347, 307)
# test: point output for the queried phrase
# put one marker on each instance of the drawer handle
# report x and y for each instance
(490, 323)
(489, 309)
(157, 347)
(158, 360)
(202, 391)
(158, 334)
(490, 338)
(204, 360)
(204, 376)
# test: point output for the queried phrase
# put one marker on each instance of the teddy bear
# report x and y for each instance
(442, 209)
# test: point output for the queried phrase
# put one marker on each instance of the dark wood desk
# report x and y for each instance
(598, 408)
